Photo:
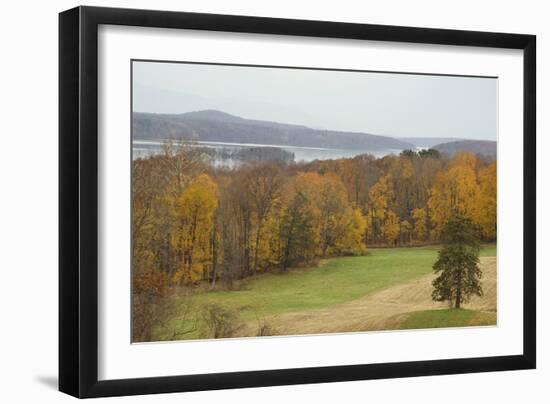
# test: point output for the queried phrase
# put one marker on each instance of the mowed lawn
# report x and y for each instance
(447, 318)
(334, 281)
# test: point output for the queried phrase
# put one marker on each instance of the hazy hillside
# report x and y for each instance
(217, 126)
(427, 141)
(480, 147)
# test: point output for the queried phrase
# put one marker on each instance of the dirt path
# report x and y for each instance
(379, 311)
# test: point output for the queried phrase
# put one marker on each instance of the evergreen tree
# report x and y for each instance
(297, 232)
(457, 264)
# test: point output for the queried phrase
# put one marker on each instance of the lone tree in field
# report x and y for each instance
(457, 264)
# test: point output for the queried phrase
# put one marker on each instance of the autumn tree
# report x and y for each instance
(353, 239)
(405, 232)
(404, 188)
(338, 225)
(263, 186)
(240, 206)
(297, 231)
(425, 169)
(227, 253)
(455, 192)
(403, 181)
(194, 215)
(181, 161)
(148, 185)
(157, 182)
(358, 174)
(457, 263)
(382, 222)
(420, 224)
(486, 207)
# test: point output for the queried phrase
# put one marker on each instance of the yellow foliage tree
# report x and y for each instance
(420, 224)
(353, 241)
(335, 215)
(337, 227)
(382, 221)
(455, 192)
(485, 213)
(390, 228)
(194, 212)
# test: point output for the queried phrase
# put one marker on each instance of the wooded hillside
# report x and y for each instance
(216, 126)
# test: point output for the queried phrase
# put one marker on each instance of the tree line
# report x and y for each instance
(192, 221)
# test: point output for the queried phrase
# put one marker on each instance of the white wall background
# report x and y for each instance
(28, 199)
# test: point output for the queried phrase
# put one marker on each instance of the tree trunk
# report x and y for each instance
(257, 244)
(458, 294)
(214, 260)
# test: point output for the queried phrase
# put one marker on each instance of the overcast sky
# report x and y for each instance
(390, 104)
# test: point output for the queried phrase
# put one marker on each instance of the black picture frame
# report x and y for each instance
(78, 201)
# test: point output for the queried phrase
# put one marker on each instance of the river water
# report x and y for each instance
(144, 148)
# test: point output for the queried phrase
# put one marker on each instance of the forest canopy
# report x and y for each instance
(192, 221)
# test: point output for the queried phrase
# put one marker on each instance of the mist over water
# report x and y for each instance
(146, 148)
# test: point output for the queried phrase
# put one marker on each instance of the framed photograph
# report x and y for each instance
(251, 201)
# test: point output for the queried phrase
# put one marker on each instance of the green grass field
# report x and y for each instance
(447, 318)
(334, 281)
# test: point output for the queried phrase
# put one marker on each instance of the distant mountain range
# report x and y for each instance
(427, 142)
(218, 126)
(480, 147)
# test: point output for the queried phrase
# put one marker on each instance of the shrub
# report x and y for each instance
(220, 322)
